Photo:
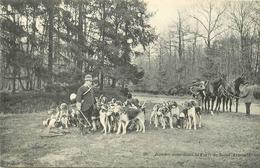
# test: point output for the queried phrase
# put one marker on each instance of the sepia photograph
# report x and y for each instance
(130, 83)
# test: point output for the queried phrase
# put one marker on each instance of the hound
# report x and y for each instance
(104, 118)
(193, 112)
(159, 114)
(153, 114)
(175, 113)
(129, 114)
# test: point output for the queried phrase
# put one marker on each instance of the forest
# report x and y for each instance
(47, 44)
(202, 42)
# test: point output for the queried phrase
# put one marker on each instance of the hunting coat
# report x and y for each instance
(85, 96)
(247, 94)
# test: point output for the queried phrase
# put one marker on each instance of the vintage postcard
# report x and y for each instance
(130, 83)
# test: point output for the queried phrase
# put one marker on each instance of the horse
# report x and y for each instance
(211, 91)
(207, 90)
(232, 91)
(221, 95)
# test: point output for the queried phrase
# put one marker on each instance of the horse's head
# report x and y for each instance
(220, 81)
(241, 80)
(222, 78)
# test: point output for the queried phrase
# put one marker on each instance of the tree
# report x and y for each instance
(210, 22)
(240, 16)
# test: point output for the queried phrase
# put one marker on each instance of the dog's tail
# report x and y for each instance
(143, 107)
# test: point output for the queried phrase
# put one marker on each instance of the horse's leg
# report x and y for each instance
(208, 101)
(205, 103)
(219, 103)
(227, 99)
(212, 103)
(230, 105)
(237, 104)
(223, 103)
(216, 107)
(202, 101)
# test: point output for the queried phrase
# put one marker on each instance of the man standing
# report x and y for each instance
(247, 95)
(86, 101)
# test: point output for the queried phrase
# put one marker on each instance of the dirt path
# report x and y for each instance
(225, 140)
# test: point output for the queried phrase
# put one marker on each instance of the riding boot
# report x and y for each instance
(178, 123)
(248, 108)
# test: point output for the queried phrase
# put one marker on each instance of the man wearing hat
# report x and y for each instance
(247, 95)
(85, 100)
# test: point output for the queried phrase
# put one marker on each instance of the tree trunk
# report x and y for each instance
(14, 80)
(113, 83)
(21, 83)
(102, 52)
(50, 49)
(257, 55)
(80, 37)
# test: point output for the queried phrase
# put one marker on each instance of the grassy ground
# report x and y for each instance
(225, 140)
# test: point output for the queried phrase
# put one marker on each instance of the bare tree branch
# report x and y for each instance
(201, 23)
(217, 19)
(217, 34)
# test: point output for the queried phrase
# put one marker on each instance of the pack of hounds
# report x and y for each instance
(117, 117)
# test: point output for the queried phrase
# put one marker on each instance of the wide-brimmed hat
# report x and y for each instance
(88, 78)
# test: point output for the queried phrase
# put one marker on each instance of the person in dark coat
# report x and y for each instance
(247, 96)
(86, 101)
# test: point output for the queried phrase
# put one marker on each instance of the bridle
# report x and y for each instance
(228, 93)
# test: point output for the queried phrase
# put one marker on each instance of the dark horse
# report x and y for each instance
(211, 91)
(230, 91)
(221, 95)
